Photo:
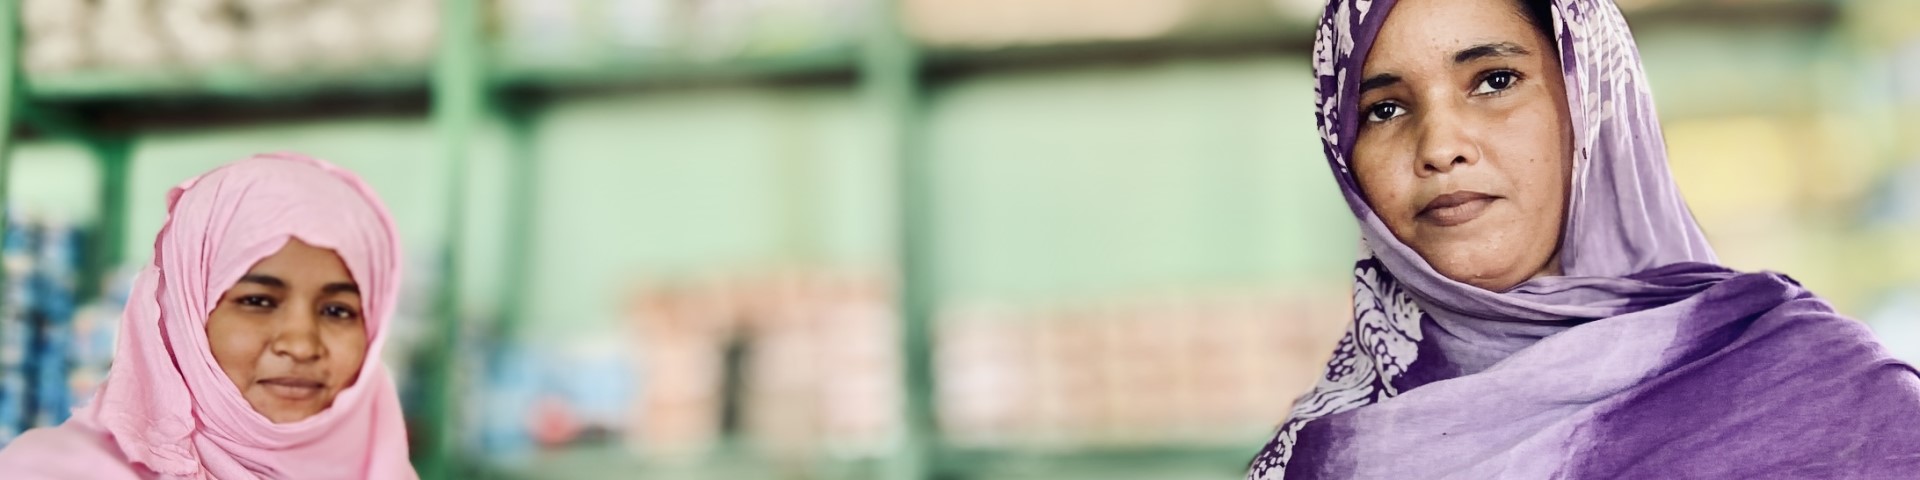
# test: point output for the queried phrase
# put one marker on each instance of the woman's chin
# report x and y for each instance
(1495, 276)
(1486, 265)
(286, 417)
(1495, 285)
(281, 413)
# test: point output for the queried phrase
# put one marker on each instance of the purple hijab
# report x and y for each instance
(1646, 360)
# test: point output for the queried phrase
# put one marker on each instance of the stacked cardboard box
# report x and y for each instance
(1173, 369)
(809, 361)
(589, 33)
(990, 24)
(184, 36)
(789, 362)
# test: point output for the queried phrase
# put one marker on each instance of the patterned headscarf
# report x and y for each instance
(1510, 384)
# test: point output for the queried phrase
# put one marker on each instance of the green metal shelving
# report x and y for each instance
(18, 108)
(459, 92)
(890, 77)
(11, 88)
(462, 89)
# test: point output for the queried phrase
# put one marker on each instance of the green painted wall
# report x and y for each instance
(1119, 179)
(655, 187)
(55, 180)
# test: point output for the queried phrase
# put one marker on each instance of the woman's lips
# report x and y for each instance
(1456, 208)
(292, 388)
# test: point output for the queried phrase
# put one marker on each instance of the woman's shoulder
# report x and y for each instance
(69, 451)
(1807, 334)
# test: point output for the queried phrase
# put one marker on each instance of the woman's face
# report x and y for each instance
(290, 333)
(1465, 139)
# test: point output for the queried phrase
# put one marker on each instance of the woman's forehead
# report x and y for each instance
(298, 262)
(1436, 32)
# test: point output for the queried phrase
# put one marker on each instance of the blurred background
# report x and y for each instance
(851, 239)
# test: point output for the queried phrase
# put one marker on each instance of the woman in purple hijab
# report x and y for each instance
(1534, 300)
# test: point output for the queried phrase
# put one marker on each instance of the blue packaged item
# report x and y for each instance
(95, 327)
(509, 389)
(16, 330)
(54, 280)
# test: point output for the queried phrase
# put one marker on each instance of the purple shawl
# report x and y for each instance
(1646, 360)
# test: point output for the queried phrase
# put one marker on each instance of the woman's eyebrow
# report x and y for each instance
(1378, 81)
(340, 287)
(268, 281)
(1488, 50)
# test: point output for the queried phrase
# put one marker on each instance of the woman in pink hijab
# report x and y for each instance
(250, 345)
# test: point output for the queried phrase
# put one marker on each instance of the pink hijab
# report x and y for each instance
(167, 409)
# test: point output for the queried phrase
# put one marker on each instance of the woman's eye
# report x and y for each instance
(340, 312)
(1496, 82)
(1381, 112)
(255, 301)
